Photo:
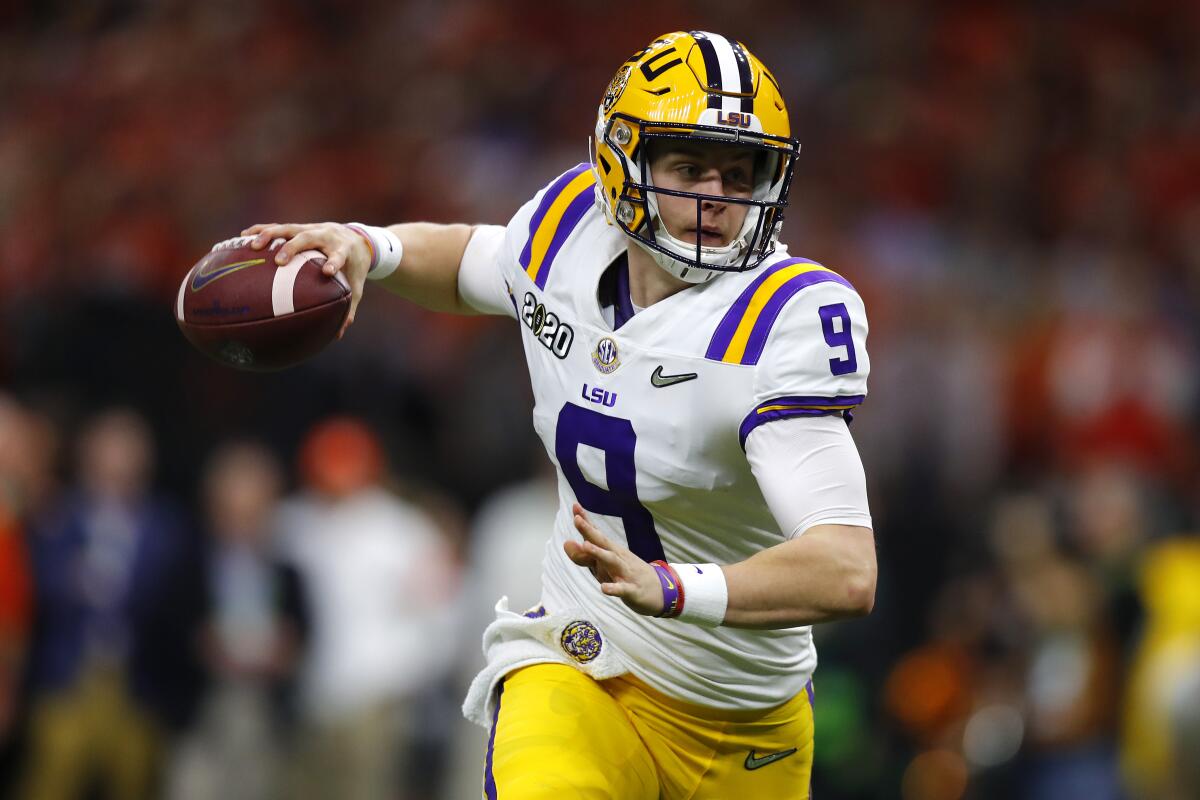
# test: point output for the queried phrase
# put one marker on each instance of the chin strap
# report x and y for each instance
(685, 272)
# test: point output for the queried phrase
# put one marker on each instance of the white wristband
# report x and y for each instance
(386, 249)
(705, 594)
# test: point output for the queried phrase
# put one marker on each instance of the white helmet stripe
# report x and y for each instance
(731, 78)
(721, 64)
(747, 80)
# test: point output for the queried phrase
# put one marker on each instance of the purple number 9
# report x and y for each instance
(616, 438)
(838, 336)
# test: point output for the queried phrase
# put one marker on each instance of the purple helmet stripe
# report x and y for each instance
(570, 219)
(548, 199)
(712, 67)
(729, 323)
(770, 312)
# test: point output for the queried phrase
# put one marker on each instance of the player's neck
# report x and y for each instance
(648, 282)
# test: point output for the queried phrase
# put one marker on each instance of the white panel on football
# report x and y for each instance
(179, 299)
(591, 464)
(282, 289)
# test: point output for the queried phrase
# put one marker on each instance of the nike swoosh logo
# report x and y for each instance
(757, 762)
(205, 275)
(657, 92)
(660, 380)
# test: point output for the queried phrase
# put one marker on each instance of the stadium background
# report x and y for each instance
(1014, 188)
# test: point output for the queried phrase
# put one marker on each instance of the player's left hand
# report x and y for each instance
(345, 251)
(620, 572)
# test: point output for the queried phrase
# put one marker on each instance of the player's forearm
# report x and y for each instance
(428, 272)
(826, 574)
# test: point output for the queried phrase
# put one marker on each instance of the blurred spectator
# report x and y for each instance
(508, 541)
(109, 667)
(1017, 685)
(382, 583)
(255, 620)
(1161, 735)
(16, 606)
(1072, 680)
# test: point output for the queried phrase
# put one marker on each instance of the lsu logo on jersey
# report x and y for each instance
(554, 335)
(601, 397)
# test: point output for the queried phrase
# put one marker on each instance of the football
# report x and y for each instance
(238, 307)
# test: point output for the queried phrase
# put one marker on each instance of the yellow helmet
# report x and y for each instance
(687, 86)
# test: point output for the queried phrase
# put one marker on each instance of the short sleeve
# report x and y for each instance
(497, 260)
(810, 474)
(481, 280)
(810, 348)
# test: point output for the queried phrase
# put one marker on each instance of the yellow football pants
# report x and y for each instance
(560, 735)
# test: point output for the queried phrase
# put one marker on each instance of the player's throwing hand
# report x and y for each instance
(620, 572)
(343, 248)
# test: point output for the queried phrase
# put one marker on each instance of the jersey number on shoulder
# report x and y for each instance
(838, 335)
(615, 438)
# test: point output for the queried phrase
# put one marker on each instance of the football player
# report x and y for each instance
(693, 385)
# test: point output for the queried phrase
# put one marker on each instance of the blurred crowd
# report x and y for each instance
(211, 579)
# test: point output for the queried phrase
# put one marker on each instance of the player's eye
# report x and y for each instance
(737, 180)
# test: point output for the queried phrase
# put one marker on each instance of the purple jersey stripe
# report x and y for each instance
(548, 199)
(489, 779)
(813, 400)
(756, 418)
(623, 311)
(812, 702)
(770, 312)
(575, 211)
(729, 323)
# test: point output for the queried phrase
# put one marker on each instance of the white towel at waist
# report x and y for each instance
(566, 636)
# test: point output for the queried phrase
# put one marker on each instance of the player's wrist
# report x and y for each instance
(695, 593)
(672, 589)
(385, 248)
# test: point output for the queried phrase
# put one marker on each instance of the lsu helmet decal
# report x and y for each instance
(693, 86)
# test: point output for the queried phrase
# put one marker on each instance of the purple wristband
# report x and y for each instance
(671, 589)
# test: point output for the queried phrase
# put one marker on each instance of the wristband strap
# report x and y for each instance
(707, 593)
(672, 589)
(385, 246)
(370, 244)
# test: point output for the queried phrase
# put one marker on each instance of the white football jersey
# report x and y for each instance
(647, 425)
